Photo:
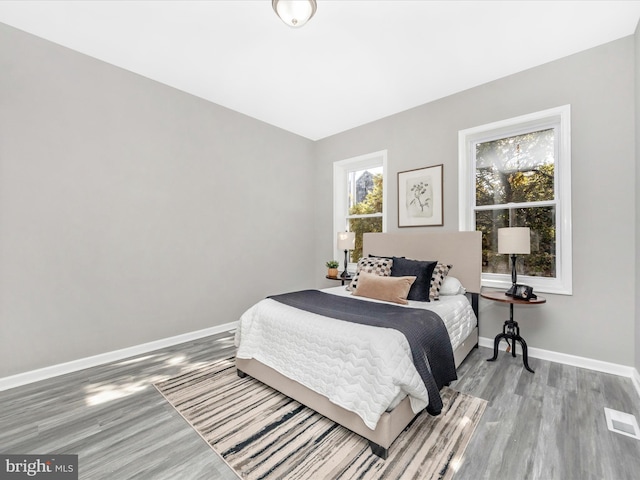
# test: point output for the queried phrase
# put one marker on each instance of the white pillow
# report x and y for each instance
(452, 286)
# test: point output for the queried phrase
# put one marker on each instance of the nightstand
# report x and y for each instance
(510, 329)
(343, 279)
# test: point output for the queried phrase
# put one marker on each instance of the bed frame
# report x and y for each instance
(463, 250)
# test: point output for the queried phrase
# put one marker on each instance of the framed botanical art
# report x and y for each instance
(420, 197)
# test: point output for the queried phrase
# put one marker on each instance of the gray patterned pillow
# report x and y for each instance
(376, 265)
(437, 279)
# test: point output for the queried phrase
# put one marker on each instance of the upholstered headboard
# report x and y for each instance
(463, 250)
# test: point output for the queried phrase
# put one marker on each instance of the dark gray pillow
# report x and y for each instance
(421, 269)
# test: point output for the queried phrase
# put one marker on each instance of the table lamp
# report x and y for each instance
(514, 241)
(346, 242)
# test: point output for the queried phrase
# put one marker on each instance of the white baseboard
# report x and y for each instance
(80, 364)
(573, 360)
(76, 365)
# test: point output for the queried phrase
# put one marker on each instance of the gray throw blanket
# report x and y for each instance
(424, 330)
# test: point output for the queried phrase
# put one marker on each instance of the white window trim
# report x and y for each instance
(340, 200)
(561, 117)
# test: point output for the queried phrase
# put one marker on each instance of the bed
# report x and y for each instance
(329, 345)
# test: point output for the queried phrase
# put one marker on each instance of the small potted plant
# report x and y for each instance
(332, 265)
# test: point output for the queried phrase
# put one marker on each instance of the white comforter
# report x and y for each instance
(360, 368)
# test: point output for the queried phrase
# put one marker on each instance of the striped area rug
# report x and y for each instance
(262, 434)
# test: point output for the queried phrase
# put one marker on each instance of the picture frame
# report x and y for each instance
(420, 197)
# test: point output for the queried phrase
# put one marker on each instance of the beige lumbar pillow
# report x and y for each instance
(389, 289)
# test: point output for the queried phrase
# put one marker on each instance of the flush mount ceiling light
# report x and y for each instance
(294, 13)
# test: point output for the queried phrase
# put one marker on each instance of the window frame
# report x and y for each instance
(559, 119)
(341, 169)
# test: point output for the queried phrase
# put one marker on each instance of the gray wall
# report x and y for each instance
(132, 212)
(597, 320)
(637, 203)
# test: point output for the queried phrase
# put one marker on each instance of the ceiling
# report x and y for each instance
(354, 62)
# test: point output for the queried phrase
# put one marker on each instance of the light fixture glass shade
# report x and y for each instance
(294, 13)
(346, 240)
(514, 240)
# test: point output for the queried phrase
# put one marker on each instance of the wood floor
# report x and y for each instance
(547, 425)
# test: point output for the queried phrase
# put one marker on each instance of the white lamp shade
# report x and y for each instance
(346, 240)
(514, 240)
(294, 13)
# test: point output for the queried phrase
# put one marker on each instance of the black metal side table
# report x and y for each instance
(342, 279)
(510, 329)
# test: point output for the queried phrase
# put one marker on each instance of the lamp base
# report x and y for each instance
(514, 277)
(345, 274)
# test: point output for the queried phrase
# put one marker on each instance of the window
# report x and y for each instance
(359, 198)
(518, 173)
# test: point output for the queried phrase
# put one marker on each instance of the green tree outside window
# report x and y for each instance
(371, 204)
(515, 178)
